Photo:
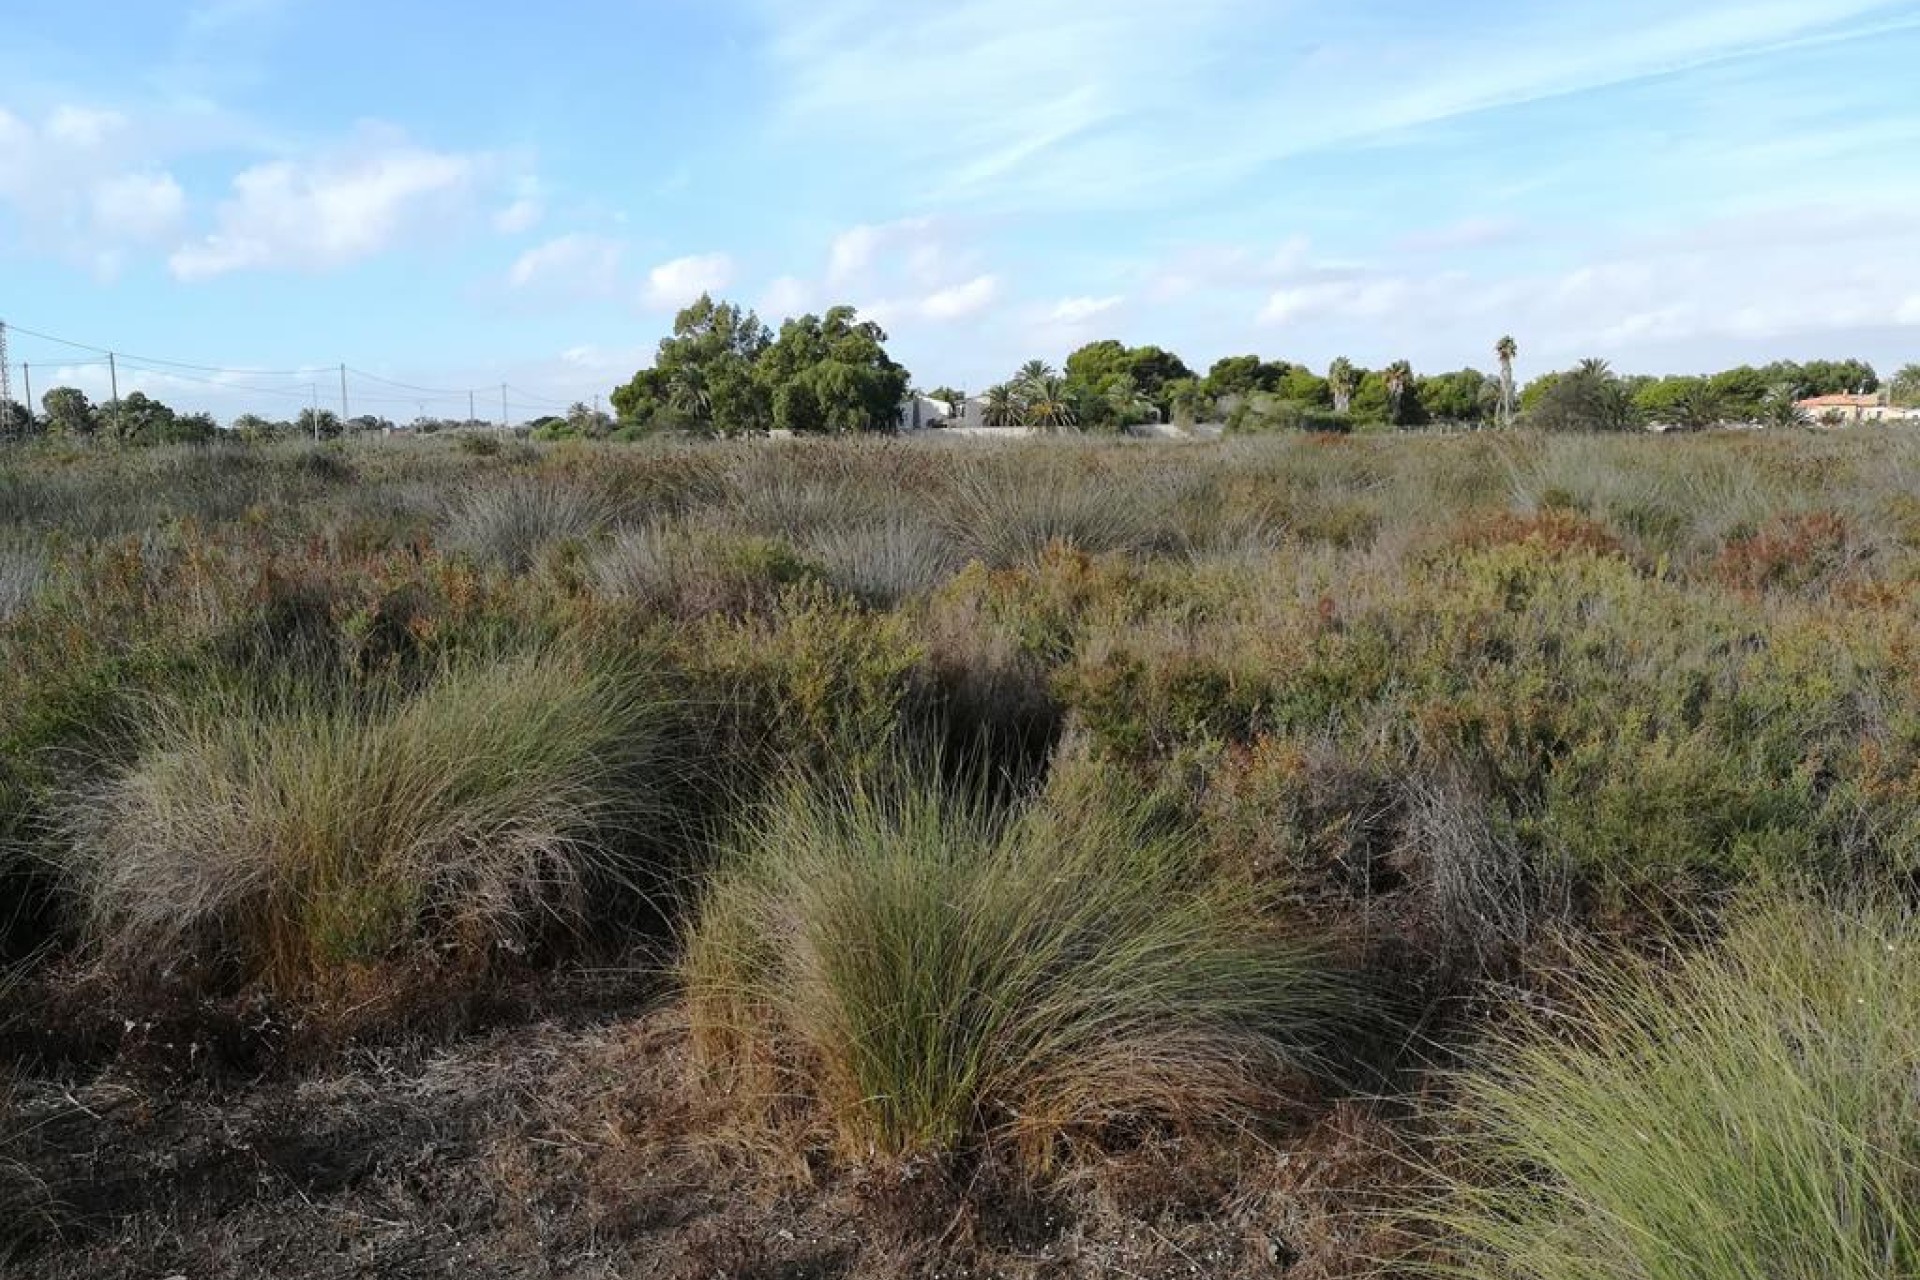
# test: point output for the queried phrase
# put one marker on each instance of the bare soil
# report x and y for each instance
(588, 1148)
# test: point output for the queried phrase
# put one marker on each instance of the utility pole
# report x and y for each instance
(503, 406)
(113, 377)
(314, 388)
(344, 415)
(6, 387)
(470, 413)
(27, 370)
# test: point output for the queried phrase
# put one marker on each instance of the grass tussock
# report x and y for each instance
(293, 834)
(1751, 1114)
(511, 522)
(931, 977)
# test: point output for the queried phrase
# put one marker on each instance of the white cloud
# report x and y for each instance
(959, 301)
(578, 263)
(1077, 311)
(786, 296)
(521, 216)
(139, 206)
(73, 181)
(674, 284)
(331, 209)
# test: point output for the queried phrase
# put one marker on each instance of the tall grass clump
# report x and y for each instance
(509, 522)
(22, 571)
(1008, 508)
(1753, 1114)
(885, 561)
(293, 833)
(932, 978)
(696, 571)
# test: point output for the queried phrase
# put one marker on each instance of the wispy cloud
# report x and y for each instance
(577, 264)
(1098, 103)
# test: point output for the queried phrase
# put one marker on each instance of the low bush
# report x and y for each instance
(297, 833)
(929, 977)
(1752, 1113)
(692, 572)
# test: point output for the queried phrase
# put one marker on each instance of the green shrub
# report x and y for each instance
(929, 977)
(814, 683)
(297, 832)
(1751, 1114)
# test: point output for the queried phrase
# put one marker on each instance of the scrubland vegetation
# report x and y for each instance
(1488, 854)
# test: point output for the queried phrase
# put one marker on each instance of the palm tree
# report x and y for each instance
(1594, 367)
(1342, 378)
(1003, 407)
(1698, 408)
(1046, 402)
(1399, 377)
(1506, 349)
(1782, 408)
(688, 393)
(1032, 372)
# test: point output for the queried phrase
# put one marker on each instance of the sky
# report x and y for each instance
(453, 199)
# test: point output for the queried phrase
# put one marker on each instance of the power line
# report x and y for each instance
(173, 364)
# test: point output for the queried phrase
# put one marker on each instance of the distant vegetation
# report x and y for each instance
(724, 373)
(1490, 850)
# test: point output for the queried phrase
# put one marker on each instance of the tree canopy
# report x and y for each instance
(723, 373)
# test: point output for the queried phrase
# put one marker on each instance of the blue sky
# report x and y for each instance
(526, 193)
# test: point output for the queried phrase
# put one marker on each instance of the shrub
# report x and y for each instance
(930, 977)
(1751, 1114)
(293, 833)
(694, 572)
(814, 683)
(509, 522)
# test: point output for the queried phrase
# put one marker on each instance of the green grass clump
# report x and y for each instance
(934, 978)
(295, 832)
(1751, 1116)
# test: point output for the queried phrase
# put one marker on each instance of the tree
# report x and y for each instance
(1782, 408)
(254, 429)
(1042, 396)
(1342, 380)
(1097, 370)
(69, 413)
(1403, 406)
(1587, 398)
(832, 374)
(1700, 407)
(1003, 407)
(705, 376)
(17, 419)
(1467, 396)
(582, 421)
(1905, 387)
(322, 424)
(139, 419)
(1506, 351)
(950, 395)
